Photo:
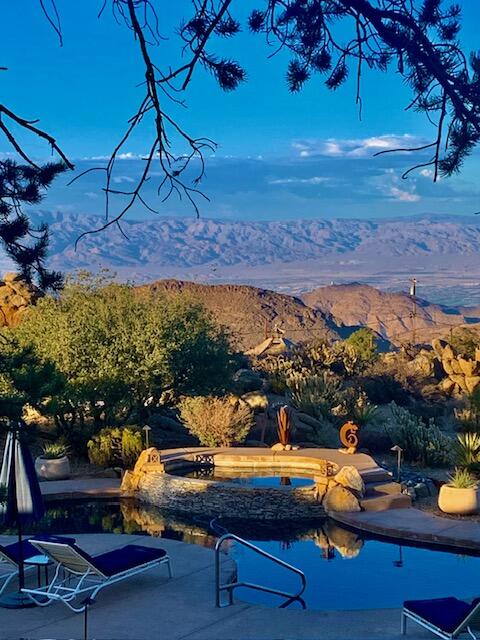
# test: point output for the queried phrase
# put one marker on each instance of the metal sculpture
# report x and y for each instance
(348, 437)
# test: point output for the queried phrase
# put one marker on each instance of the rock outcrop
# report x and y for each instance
(455, 374)
(15, 298)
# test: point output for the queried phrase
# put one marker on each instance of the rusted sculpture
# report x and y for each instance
(285, 425)
(348, 437)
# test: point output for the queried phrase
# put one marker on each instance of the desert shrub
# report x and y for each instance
(317, 395)
(364, 343)
(468, 418)
(116, 447)
(465, 341)
(422, 442)
(383, 388)
(217, 422)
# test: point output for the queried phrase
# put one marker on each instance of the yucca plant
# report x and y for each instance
(54, 451)
(462, 479)
(285, 425)
(467, 449)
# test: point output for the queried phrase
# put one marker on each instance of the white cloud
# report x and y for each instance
(121, 179)
(403, 196)
(355, 147)
(312, 180)
(91, 194)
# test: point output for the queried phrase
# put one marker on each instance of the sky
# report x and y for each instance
(279, 156)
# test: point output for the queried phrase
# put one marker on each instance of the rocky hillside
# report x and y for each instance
(395, 316)
(248, 312)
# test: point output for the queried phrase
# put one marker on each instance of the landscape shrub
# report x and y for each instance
(468, 418)
(364, 343)
(467, 449)
(217, 422)
(317, 395)
(120, 351)
(116, 447)
(422, 442)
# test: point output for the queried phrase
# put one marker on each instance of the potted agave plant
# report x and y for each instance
(460, 494)
(53, 464)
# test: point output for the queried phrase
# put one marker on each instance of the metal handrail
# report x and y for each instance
(229, 587)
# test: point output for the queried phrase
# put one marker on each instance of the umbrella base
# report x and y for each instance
(16, 600)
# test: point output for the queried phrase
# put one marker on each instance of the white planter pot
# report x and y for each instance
(58, 469)
(458, 501)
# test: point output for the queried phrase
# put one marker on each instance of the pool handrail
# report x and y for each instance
(230, 586)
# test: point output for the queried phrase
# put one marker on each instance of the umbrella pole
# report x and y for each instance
(21, 566)
(17, 600)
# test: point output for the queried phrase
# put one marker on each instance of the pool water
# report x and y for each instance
(271, 479)
(344, 570)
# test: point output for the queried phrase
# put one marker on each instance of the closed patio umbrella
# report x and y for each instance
(22, 502)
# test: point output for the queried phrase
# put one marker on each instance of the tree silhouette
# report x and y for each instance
(417, 38)
(20, 185)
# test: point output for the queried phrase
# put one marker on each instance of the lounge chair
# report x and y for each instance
(79, 573)
(10, 558)
(446, 617)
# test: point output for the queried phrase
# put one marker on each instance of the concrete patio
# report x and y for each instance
(150, 606)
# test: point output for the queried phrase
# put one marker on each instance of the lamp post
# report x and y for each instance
(147, 430)
(398, 450)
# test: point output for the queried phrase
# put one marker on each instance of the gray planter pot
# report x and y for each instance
(57, 469)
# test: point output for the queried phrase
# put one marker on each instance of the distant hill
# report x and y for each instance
(248, 311)
(395, 316)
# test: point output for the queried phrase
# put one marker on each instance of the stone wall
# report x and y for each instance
(211, 498)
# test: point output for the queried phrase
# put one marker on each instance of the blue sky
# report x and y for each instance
(279, 155)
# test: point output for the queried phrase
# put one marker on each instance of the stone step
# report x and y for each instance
(375, 489)
(386, 501)
(377, 474)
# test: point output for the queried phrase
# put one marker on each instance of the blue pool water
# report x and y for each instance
(269, 480)
(344, 569)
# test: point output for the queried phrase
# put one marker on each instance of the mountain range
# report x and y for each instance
(290, 257)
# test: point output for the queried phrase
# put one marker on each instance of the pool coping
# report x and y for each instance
(414, 525)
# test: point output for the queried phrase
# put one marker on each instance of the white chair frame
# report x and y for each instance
(75, 576)
(462, 627)
(9, 570)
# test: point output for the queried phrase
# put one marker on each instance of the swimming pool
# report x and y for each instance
(344, 570)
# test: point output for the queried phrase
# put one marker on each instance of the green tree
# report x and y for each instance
(121, 351)
(364, 343)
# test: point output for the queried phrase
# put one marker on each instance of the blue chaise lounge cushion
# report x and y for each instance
(444, 613)
(126, 558)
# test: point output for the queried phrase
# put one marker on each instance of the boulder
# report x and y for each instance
(350, 478)
(320, 491)
(471, 383)
(15, 297)
(246, 380)
(340, 499)
(447, 366)
(468, 367)
(308, 420)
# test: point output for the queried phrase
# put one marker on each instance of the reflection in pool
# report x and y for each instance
(344, 570)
